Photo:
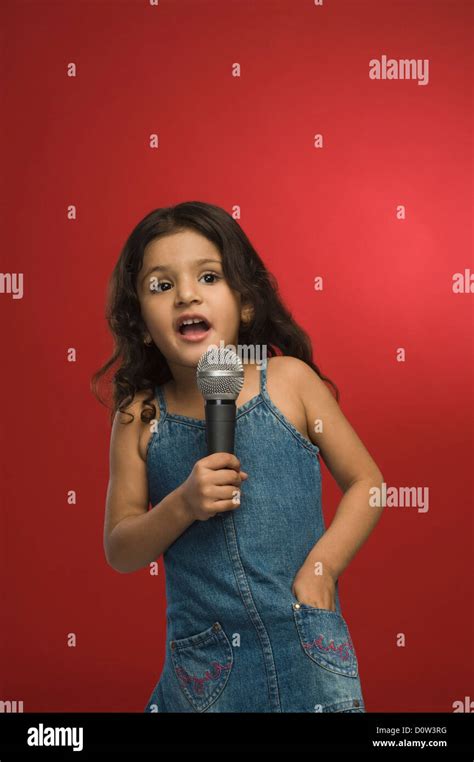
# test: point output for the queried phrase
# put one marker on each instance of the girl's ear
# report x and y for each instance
(247, 314)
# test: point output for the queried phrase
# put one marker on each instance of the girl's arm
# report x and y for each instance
(350, 464)
(133, 535)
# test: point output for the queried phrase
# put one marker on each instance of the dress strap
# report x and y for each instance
(262, 369)
(161, 400)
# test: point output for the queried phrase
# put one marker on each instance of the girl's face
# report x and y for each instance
(172, 281)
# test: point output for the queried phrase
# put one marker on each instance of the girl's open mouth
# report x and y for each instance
(194, 331)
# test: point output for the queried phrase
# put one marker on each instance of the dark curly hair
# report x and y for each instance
(141, 366)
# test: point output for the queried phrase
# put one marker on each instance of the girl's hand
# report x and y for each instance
(317, 590)
(213, 486)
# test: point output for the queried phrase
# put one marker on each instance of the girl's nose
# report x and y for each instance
(186, 293)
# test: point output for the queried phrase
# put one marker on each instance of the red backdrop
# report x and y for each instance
(381, 210)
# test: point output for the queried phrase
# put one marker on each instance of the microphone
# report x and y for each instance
(220, 377)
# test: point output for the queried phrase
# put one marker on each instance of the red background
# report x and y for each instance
(244, 142)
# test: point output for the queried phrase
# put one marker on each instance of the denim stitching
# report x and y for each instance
(318, 643)
(198, 682)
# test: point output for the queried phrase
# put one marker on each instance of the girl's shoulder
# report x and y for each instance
(282, 388)
(281, 365)
(141, 428)
(283, 373)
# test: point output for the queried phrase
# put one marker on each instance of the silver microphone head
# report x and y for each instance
(220, 374)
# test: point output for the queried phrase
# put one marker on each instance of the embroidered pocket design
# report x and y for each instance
(202, 664)
(325, 638)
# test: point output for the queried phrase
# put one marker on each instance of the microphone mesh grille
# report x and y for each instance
(220, 374)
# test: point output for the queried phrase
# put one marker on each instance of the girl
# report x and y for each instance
(254, 621)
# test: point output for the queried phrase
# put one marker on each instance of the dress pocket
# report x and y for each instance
(202, 664)
(325, 638)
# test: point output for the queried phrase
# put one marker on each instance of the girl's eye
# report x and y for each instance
(156, 285)
(213, 275)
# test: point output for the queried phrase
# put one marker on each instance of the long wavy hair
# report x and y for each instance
(140, 366)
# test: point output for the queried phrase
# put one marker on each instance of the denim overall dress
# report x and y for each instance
(237, 639)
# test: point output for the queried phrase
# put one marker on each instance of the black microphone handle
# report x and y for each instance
(220, 425)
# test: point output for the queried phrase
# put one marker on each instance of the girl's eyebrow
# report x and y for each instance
(161, 268)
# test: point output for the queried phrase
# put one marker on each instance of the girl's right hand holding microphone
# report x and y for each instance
(213, 486)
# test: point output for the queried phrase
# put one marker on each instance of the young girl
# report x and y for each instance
(254, 621)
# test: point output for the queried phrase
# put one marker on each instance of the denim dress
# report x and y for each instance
(237, 639)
